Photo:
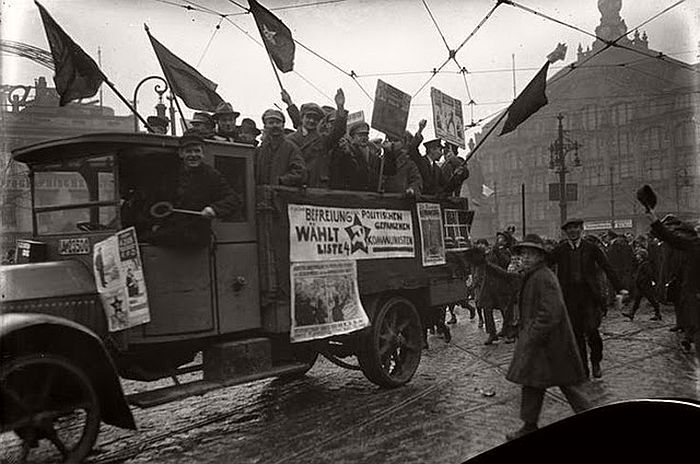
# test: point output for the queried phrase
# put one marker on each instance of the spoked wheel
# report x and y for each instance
(49, 410)
(391, 351)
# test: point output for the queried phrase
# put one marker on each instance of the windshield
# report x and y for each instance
(75, 196)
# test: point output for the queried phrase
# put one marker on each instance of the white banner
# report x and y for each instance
(120, 281)
(325, 300)
(319, 233)
(447, 118)
(432, 234)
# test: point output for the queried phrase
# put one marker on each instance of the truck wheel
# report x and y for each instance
(391, 349)
(47, 397)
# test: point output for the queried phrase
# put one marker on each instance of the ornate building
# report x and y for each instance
(30, 114)
(634, 117)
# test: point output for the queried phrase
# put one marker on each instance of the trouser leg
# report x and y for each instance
(595, 343)
(649, 295)
(576, 398)
(637, 302)
(489, 321)
(531, 404)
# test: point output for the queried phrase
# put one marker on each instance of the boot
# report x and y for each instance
(597, 373)
(492, 338)
(522, 431)
(656, 316)
(675, 329)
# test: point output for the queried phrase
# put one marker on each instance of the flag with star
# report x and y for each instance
(276, 36)
(77, 75)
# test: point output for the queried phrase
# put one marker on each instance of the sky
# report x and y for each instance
(375, 39)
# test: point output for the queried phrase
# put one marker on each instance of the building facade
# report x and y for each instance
(31, 114)
(634, 116)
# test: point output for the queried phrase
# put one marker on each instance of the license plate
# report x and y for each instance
(74, 246)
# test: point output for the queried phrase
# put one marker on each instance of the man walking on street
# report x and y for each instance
(545, 353)
(576, 262)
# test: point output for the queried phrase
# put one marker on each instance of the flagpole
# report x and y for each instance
(172, 92)
(483, 139)
(274, 68)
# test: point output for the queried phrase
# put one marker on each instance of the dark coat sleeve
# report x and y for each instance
(296, 169)
(548, 311)
(340, 126)
(294, 115)
(675, 240)
(602, 261)
(415, 181)
(227, 200)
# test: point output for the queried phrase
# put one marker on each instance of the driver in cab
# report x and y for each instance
(198, 188)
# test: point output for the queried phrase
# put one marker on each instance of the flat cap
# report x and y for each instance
(273, 114)
(572, 222)
(191, 137)
(360, 126)
(312, 108)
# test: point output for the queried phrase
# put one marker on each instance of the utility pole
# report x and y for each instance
(557, 162)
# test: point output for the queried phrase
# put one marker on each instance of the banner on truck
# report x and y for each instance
(432, 235)
(118, 272)
(325, 300)
(320, 233)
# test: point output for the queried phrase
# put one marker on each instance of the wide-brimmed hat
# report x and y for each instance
(248, 125)
(225, 108)
(203, 118)
(312, 108)
(273, 114)
(190, 137)
(358, 126)
(572, 222)
(531, 241)
(433, 143)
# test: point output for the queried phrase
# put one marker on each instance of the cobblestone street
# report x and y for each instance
(457, 406)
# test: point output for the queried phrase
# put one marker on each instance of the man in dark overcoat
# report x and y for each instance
(576, 262)
(545, 353)
(277, 160)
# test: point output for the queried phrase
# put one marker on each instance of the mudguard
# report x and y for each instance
(23, 333)
(45, 280)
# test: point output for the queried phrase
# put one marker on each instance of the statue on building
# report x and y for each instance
(611, 26)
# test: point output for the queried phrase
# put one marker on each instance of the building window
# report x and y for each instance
(590, 117)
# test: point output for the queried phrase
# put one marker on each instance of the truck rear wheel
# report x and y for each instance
(47, 397)
(391, 349)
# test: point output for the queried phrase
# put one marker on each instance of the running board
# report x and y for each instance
(165, 395)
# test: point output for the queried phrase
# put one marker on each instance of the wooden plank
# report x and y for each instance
(151, 398)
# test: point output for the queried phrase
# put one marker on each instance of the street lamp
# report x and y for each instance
(558, 150)
(157, 88)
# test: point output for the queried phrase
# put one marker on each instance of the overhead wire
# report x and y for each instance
(211, 39)
(442, 36)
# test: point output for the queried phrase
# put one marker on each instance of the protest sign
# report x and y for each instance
(325, 300)
(432, 235)
(118, 272)
(390, 112)
(320, 233)
(448, 119)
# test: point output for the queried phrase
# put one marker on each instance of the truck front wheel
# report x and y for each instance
(47, 400)
(391, 349)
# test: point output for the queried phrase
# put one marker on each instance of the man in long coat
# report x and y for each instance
(576, 260)
(545, 353)
(277, 161)
(316, 148)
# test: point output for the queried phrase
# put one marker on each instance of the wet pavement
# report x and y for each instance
(457, 406)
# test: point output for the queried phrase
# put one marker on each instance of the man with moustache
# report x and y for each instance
(278, 161)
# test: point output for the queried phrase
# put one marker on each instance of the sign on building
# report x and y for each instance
(571, 192)
(448, 119)
(390, 112)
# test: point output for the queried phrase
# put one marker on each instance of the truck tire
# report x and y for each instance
(390, 351)
(48, 397)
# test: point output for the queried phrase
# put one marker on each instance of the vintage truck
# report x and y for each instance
(228, 306)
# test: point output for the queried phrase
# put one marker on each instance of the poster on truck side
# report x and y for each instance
(432, 234)
(120, 282)
(321, 233)
(325, 300)
(448, 118)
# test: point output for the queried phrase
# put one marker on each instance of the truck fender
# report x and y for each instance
(22, 333)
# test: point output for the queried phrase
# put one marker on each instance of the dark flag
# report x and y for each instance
(77, 75)
(276, 36)
(530, 100)
(198, 92)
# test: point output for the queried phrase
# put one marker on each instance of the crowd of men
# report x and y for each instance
(553, 296)
(322, 151)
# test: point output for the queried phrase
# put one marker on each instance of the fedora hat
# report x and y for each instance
(531, 241)
(248, 125)
(225, 108)
(202, 118)
(433, 143)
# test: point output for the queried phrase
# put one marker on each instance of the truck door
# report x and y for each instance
(236, 251)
